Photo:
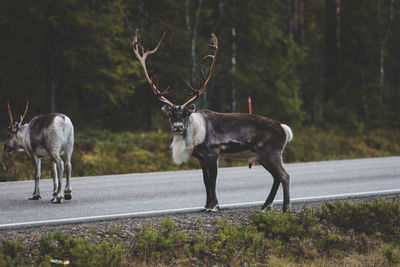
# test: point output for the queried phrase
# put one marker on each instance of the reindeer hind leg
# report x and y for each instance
(274, 166)
(60, 170)
(54, 176)
(68, 168)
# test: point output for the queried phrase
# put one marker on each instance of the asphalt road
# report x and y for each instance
(141, 194)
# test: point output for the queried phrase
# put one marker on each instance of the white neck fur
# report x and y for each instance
(196, 133)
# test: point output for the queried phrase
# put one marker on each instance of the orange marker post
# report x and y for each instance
(250, 112)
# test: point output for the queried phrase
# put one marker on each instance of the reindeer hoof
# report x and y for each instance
(56, 200)
(215, 209)
(266, 209)
(67, 195)
(35, 197)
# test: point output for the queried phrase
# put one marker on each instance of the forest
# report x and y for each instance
(314, 62)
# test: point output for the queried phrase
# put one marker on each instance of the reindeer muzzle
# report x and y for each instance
(178, 128)
(6, 149)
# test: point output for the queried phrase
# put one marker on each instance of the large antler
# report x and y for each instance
(142, 60)
(26, 110)
(9, 113)
(11, 116)
(206, 81)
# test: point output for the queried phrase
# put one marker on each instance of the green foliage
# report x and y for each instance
(103, 152)
(276, 225)
(155, 245)
(198, 246)
(390, 255)
(79, 59)
(234, 245)
(79, 252)
(301, 236)
(14, 253)
(317, 144)
(268, 71)
(309, 237)
(380, 217)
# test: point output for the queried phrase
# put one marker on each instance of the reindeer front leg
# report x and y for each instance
(36, 193)
(209, 177)
(213, 170)
(206, 180)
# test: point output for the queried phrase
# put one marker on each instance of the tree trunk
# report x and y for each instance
(296, 22)
(383, 40)
(332, 45)
(233, 92)
(52, 103)
(193, 36)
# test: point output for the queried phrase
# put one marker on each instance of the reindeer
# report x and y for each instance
(48, 135)
(206, 135)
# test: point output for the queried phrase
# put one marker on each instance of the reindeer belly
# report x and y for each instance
(41, 152)
(237, 151)
(240, 155)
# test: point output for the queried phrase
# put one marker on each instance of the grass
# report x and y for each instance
(101, 152)
(330, 236)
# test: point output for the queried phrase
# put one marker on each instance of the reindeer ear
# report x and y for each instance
(191, 108)
(167, 110)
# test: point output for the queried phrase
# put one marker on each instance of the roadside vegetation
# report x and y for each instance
(339, 233)
(103, 152)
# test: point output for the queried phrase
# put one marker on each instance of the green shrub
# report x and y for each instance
(333, 232)
(390, 255)
(234, 245)
(79, 252)
(14, 253)
(277, 225)
(198, 246)
(379, 217)
(302, 236)
(154, 245)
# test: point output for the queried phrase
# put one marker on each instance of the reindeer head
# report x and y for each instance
(178, 114)
(15, 136)
(178, 117)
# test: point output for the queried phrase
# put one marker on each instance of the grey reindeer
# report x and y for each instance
(49, 135)
(206, 135)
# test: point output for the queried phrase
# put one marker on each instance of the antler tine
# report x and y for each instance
(142, 60)
(26, 110)
(204, 75)
(9, 113)
(198, 92)
(192, 90)
(166, 91)
(201, 79)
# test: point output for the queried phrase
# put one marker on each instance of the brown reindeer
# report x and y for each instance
(207, 134)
